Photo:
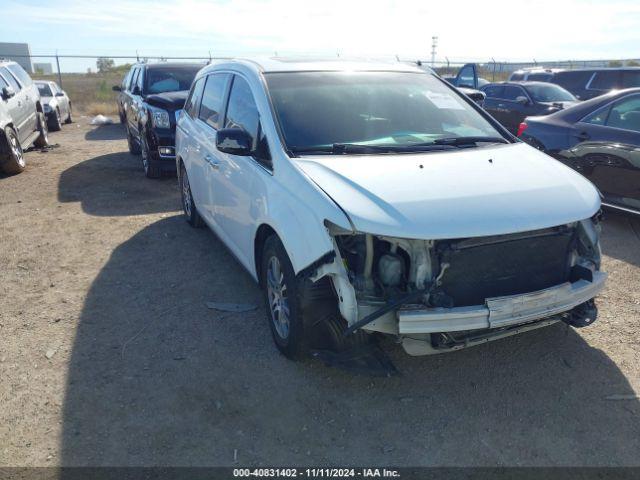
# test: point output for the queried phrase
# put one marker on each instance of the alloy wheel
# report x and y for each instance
(186, 195)
(278, 297)
(17, 150)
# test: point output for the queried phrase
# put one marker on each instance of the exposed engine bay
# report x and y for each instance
(447, 294)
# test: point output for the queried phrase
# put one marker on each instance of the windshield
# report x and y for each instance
(550, 93)
(321, 109)
(170, 79)
(44, 90)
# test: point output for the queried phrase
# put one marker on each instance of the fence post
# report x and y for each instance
(59, 73)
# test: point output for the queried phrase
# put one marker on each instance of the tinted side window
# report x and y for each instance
(3, 83)
(511, 92)
(192, 103)
(22, 76)
(140, 79)
(625, 114)
(598, 117)
(540, 77)
(516, 77)
(213, 98)
(572, 80)
(631, 79)
(243, 113)
(494, 91)
(134, 78)
(604, 80)
(9, 78)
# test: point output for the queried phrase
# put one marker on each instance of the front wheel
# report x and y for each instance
(69, 117)
(132, 143)
(11, 157)
(282, 299)
(150, 170)
(43, 139)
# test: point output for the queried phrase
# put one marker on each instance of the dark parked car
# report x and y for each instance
(599, 138)
(584, 83)
(510, 102)
(151, 98)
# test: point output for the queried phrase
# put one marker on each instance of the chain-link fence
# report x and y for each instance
(88, 80)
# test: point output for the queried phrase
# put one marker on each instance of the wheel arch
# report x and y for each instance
(263, 232)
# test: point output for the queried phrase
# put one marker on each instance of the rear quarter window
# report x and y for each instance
(22, 76)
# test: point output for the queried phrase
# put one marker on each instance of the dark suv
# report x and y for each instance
(22, 121)
(151, 98)
(584, 83)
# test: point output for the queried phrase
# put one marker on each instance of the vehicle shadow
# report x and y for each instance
(114, 131)
(621, 237)
(114, 184)
(157, 378)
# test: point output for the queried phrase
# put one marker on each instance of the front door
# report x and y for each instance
(239, 186)
(16, 106)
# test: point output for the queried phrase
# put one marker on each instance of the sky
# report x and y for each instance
(476, 31)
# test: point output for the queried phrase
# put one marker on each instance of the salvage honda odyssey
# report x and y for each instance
(373, 198)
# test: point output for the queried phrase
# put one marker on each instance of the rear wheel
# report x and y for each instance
(69, 118)
(11, 156)
(188, 205)
(43, 139)
(55, 122)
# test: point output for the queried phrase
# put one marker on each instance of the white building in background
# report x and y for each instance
(43, 68)
(18, 52)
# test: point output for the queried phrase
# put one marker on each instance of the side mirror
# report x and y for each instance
(234, 141)
(8, 92)
(522, 100)
(136, 90)
(116, 88)
(60, 94)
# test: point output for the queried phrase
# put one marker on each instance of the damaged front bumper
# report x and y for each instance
(501, 311)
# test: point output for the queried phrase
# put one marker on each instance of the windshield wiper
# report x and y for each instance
(382, 148)
(468, 140)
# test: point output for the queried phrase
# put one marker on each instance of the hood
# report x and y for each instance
(168, 100)
(454, 194)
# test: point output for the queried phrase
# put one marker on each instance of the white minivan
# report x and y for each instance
(373, 198)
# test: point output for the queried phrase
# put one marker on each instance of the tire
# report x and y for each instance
(69, 118)
(11, 155)
(150, 170)
(54, 122)
(43, 139)
(123, 119)
(283, 300)
(134, 146)
(188, 205)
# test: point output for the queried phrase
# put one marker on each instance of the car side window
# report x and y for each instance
(540, 77)
(631, 79)
(22, 76)
(193, 101)
(516, 77)
(140, 79)
(242, 112)
(3, 83)
(625, 114)
(494, 91)
(213, 99)
(10, 78)
(134, 78)
(511, 93)
(604, 80)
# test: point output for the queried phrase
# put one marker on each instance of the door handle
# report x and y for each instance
(583, 136)
(215, 164)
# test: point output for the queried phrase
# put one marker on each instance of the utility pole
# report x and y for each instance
(434, 46)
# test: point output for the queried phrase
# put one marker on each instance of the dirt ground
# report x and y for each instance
(109, 355)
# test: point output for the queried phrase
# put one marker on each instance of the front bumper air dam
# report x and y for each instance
(501, 311)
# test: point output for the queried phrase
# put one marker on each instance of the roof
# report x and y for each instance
(159, 65)
(286, 64)
(525, 83)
